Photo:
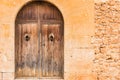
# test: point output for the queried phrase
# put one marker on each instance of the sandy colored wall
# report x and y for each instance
(79, 28)
(107, 40)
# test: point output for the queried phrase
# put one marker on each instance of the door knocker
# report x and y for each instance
(27, 37)
(51, 37)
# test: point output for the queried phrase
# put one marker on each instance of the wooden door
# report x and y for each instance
(52, 50)
(27, 49)
(39, 41)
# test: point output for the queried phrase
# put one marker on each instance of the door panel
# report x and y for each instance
(52, 56)
(27, 50)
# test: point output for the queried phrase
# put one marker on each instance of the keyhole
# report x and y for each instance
(27, 37)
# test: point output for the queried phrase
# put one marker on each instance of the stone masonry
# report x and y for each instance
(81, 61)
(107, 40)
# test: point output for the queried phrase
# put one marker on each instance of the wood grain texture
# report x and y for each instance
(39, 41)
(27, 50)
(52, 50)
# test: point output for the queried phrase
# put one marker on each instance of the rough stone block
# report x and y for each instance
(8, 76)
(79, 60)
(81, 41)
(77, 76)
(7, 66)
(0, 76)
(106, 39)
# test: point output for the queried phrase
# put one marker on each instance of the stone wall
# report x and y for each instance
(107, 40)
(79, 28)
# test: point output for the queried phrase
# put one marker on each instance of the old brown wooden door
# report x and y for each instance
(39, 38)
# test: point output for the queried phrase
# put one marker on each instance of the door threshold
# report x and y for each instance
(42, 78)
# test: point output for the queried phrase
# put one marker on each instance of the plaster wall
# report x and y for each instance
(78, 28)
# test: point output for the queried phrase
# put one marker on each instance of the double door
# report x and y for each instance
(39, 49)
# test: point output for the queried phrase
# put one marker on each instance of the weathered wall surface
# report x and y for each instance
(107, 40)
(79, 27)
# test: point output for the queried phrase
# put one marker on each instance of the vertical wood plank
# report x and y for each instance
(56, 54)
(35, 47)
(24, 51)
(44, 51)
(18, 50)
